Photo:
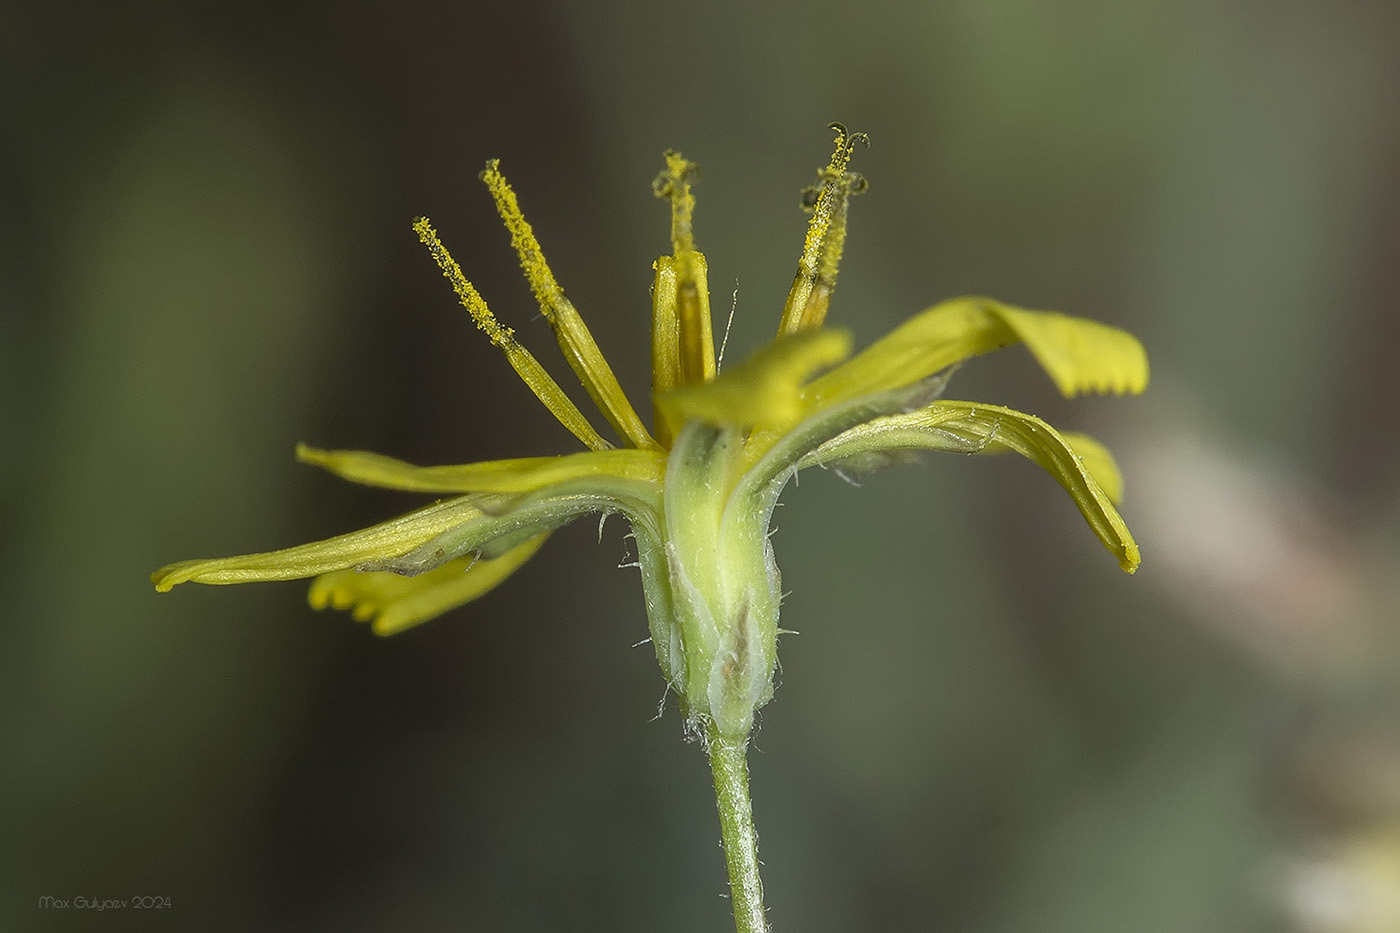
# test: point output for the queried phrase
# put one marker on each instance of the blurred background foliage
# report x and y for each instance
(984, 725)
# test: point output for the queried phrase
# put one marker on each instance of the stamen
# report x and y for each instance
(829, 201)
(691, 309)
(525, 365)
(665, 345)
(693, 314)
(579, 347)
(674, 183)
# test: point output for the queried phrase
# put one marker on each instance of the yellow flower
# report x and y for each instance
(700, 486)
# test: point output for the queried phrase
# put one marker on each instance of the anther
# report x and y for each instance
(828, 202)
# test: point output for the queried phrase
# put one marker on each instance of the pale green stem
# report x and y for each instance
(729, 763)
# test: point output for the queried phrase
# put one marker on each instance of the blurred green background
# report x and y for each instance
(983, 726)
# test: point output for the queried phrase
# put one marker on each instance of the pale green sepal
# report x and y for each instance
(395, 602)
(1080, 355)
(970, 427)
(765, 391)
(379, 542)
(723, 587)
(526, 474)
(666, 638)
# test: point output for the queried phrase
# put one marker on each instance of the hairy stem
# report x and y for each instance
(729, 764)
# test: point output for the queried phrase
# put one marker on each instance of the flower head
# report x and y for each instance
(699, 488)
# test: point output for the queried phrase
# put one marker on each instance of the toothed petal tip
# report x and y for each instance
(392, 602)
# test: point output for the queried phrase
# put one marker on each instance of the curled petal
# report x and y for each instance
(1093, 456)
(526, 474)
(1099, 462)
(970, 427)
(379, 542)
(395, 602)
(1080, 355)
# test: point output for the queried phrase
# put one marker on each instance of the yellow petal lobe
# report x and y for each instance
(766, 390)
(395, 602)
(1036, 440)
(973, 427)
(380, 542)
(1080, 355)
(525, 474)
(1099, 462)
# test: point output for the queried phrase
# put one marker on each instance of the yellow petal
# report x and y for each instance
(1080, 355)
(1031, 437)
(395, 602)
(379, 542)
(1094, 457)
(1099, 462)
(972, 427)
(765, 391)
(526, 474)
(509, 520)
